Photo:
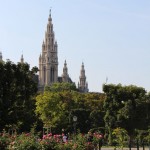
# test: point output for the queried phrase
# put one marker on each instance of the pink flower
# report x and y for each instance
(50, 134)
(44, 136)
(27, 134)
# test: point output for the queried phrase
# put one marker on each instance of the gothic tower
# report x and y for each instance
(82, 85)
(48, 60)
(65, 76)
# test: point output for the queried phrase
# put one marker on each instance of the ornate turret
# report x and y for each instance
(22, 59)
(43, 46)
(82, 85)
(65, 76)
(1, 57)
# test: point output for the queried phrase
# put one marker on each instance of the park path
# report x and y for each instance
(123, 149)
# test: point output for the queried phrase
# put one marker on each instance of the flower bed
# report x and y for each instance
(28, 141)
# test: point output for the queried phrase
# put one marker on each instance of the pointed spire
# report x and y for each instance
(65, 69)
(82, 72)
(65, 64)
(1, 57)
(43, 44)
(82, 67)
(65, 76)
(22, 59)
(50, 12)
(83, 85)
(55, 43)
(50, 18)
(78, 85)
(40, 58)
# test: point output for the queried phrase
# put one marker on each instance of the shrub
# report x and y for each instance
(5, 139)
(120, 136)
(25, 142)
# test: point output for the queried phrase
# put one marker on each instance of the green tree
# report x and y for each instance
(123, 107)
(59, 106)
(17, 91)
(53, 108)
(94, 103)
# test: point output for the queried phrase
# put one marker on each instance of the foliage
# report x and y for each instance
(120, 136)
(97, 138)
(28, 141)
(142, 136)
(147, 137)
(64, 86)
(4, 140)
(17, 91)
(124, 107)
(50, 142)
(58, 108)
(25, 142)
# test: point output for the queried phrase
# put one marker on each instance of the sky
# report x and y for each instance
(111, 37)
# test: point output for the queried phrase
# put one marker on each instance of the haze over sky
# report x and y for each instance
(111, 37)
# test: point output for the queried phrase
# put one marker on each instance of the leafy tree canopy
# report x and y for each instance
(57, 108)
(17, 91)
(124, 107)
(64, 86)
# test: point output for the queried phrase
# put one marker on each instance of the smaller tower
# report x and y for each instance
(1, 57)
(82, 85)
(65, 76)
(22, 59)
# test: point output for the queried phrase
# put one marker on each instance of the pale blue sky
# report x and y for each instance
(111, 37)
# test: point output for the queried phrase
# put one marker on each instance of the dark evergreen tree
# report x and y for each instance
(17, 93)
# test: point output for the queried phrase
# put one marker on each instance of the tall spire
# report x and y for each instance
(50, 18)
(1, 57)
(22, 59)
(48, 61)
(83, 86)
(50, 12)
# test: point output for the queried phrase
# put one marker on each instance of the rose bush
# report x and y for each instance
(5, 139)
(28, 141)
(25, 141)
